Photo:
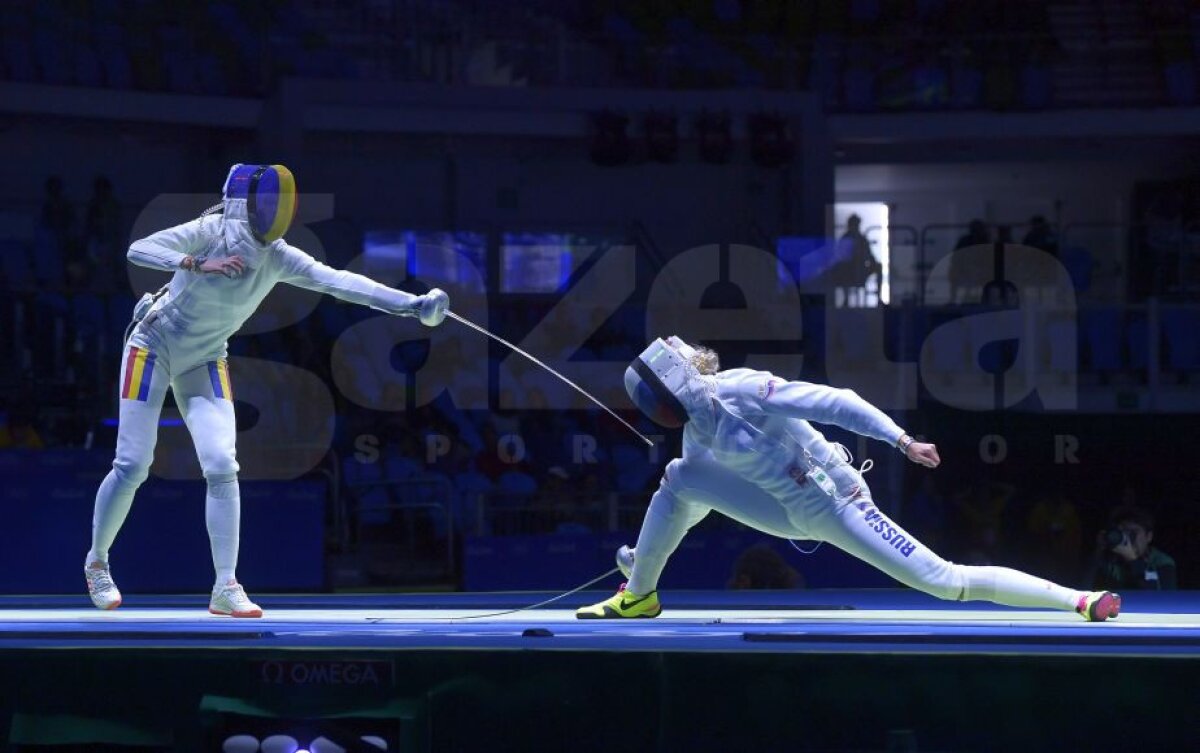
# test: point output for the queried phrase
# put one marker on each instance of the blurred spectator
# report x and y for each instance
(981, 518)
(20, 432)
(1125, 558)
(102, 225)
(977, 234)
(557, 497)
(54, 236)
(1000, 79)
(1041, 235)
(552, 493)
(1055, 537)
(858, 262)
(963, 274)
(489, 461)
(76, 276)
(518, 483)
(590, 495)
(925, 512)
(761, 567)
(58, 216)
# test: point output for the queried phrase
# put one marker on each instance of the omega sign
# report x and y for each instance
(348, 673)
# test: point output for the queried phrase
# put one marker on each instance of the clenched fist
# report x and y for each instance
(923, 453)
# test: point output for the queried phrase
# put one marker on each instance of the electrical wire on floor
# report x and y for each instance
(538, 605)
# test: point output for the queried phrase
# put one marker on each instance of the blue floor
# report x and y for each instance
(1163, 602)
(815, 621)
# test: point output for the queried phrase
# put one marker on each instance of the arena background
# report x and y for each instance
(582, 177)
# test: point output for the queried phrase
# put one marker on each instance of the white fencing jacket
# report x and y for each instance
(200, 312)
(757, 424)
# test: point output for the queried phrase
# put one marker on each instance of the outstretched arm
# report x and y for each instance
(303, 271)
(844, 408)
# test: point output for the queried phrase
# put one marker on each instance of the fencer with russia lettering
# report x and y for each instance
(224, 264)
(750, 453)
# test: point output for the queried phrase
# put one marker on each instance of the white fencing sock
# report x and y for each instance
(1015, 589)
(666, 523)
(113, 500)
(223, 513)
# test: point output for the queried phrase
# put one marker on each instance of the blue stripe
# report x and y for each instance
(147, 376)
(214, 376)
(115, 422)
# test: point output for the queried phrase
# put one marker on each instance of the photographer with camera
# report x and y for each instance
(1124, 557)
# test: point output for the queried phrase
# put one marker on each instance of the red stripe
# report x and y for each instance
(133, 351)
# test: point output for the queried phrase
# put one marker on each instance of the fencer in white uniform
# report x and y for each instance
(224, 263)
(750, 453)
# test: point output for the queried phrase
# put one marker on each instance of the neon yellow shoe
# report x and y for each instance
(622, 604)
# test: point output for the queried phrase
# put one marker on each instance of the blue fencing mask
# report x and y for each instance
(270, 194)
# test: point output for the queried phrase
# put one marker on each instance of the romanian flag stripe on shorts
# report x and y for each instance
(218, 373)
(139, 372)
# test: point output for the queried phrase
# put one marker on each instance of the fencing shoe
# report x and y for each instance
(100, 585)
(231, 600)
(622, 604)
(1098, 606)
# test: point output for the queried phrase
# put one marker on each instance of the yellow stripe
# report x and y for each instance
(139, 368)
(223, 375)
(285, 208)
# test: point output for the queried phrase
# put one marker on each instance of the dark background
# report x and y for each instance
(665, 126)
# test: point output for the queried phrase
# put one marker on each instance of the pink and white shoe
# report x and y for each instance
(1099, 606)
(100, 585)
(230, 600)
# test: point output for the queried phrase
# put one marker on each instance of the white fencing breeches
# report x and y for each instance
(204, 394)
(691, 488)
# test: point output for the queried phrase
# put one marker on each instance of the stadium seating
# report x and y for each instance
(1182, 329)
(14, 263)
(1137, 340)
(1102, 332)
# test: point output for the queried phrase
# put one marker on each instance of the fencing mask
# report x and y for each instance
(656, 377)
(270, 194)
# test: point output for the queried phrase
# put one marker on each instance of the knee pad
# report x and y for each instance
(223, 486)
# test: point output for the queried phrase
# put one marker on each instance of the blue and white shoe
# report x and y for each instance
(100, 585)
